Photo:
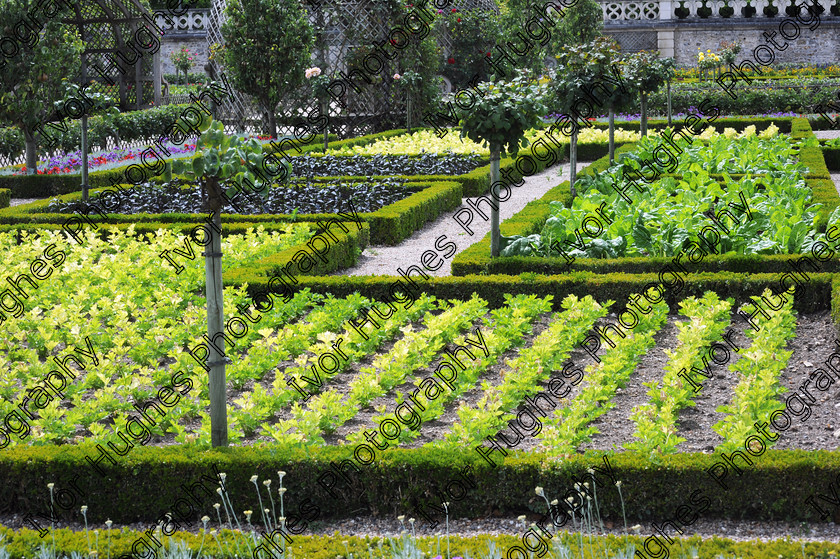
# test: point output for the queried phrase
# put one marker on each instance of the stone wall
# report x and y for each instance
(170, 44)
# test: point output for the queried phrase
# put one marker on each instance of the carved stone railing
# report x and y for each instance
(192, 22)
(618, 11)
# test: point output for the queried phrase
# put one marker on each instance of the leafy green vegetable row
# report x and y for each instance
(656, 420)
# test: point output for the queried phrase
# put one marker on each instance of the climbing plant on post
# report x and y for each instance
(502, 113)
(241, 165)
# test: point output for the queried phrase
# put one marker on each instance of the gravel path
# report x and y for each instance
(827, 134)
(384, 260)
(22, 201)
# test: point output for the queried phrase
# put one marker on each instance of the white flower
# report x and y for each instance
(205, 519)
(539, 491)
(401, 517)
(248, 514)
(282, 490)
(223, 476)
(280, 474)
(312, 72)
(521, 518)
(219, 490)
(50, 486)
(397, 76)
(586, 484)
(555, 502)
(637, 528)
(618, 483)
(84, 509)
(253, 479)
(267, 482)
(108, 523)
(411, 521)
(216, 506)
(591, 471)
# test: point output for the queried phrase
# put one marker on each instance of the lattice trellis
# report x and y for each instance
(635, 41)
(119, 37)
(340, 27)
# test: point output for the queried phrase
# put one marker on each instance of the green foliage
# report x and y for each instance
(647, 72)
(472, 33)
(36, 77)
(502, 113)
(227, 158)
(583, 66)
(268, 45)
(5, 197)
(583, 23)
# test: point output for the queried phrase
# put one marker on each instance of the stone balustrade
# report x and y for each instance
(632, 11)
(192, 22)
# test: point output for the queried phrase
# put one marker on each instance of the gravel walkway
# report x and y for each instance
(827, 134)
(21, 201)
(384, 260)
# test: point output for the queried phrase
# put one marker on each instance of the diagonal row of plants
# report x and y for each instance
(569, 427)
(521, 376)
(328, 410)
(503, 330)
(656, 419)
(760, 365)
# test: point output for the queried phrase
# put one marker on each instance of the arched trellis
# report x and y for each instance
(120, 55)
(121, 50)
(340, 26)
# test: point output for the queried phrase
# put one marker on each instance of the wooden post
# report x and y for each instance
(215, 319)
(643, 96)
(669, 102)
(85, 186)
(495, 234)
(573, 162)
(612, 135)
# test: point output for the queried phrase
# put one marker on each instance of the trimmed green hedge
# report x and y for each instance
(145, 483)
(832, 158)
(812, 297)
(5, 197)
(388, 225)
(738, 123)
(341, 254)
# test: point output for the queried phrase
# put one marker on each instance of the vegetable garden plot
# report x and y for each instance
(299, 197)
(769, 209)
(281, 390)
(362, 166)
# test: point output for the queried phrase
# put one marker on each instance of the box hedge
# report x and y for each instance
(145, 483)
(388, 225)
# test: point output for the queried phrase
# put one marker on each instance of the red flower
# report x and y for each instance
(394, 42)
(454, 10)
(459, 20)
(488, 54)
(451, 60)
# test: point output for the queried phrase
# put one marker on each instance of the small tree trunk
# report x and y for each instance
(644, 113)
(669, 102)
(408, 114)
(573, 162)
(215, 318)
(85, 157)
(272, 123)
(324, 108)
(612, 135)
(495, 233)
(31, 152)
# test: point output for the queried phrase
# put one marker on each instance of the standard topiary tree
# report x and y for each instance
(243, 165)
(585, 74)
(35, 77)
(267, 48)
(647, 73)
(499, 118)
